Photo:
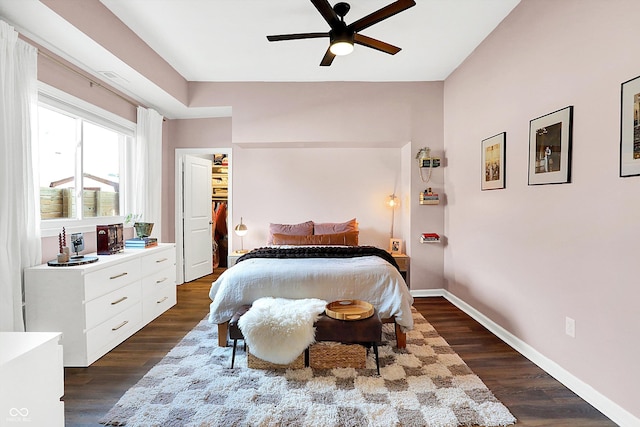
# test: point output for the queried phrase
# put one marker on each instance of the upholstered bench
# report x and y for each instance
(366, 331)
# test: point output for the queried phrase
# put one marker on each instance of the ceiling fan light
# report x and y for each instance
(341, 48)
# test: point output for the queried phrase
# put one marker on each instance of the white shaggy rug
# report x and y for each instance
(278, 329)
(427, 385)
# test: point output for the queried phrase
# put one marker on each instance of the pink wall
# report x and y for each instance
(330, 116)
(191, 133)
(529, 256)
(95, 20)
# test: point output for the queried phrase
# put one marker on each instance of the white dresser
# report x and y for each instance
(97, 306)
(31, 379)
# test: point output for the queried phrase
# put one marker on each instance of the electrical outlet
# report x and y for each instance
(570, 327)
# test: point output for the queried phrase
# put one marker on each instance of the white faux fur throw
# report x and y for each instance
(278, 329)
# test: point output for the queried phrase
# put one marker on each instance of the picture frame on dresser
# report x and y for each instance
(550, 139)
(630, 128)
(493, 162)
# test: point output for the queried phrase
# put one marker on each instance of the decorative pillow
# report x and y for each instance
(335, 227)
(302, 229)
(349, 238)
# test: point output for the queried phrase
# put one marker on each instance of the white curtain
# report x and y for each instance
(20, 244)
(147, 197)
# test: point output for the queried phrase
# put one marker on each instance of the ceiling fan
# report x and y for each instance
(343, 36)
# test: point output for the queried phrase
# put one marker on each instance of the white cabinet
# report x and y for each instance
(31, 379)
(158, 284)
(97, 306)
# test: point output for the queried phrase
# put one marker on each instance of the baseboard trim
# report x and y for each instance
(609, 408)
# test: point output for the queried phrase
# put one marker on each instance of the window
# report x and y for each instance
(82, 153)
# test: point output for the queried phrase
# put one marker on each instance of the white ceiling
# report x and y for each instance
(225, 41)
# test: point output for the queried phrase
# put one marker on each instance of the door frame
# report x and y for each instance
(179, 198)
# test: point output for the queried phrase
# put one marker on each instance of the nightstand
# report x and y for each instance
(403, 263)
(233, 257)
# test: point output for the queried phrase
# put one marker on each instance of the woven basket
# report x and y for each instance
(327, 355)
(254, 363)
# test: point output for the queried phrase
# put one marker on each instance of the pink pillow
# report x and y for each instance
(302, 229)
(349, 238)
(335, 227)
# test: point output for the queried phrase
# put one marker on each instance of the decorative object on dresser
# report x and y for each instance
(97, 306)
(141, 243)
(64, 259)
(77, 244)
(110, 239)
(143, 229)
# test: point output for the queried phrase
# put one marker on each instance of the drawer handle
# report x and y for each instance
(118, 275)
(162, 300)
(161, 280)
(161, 260)
(120, 325)
(119, 301)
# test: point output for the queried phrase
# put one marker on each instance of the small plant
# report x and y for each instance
(131, 218)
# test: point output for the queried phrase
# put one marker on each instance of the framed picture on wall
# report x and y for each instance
(493, 162)
(630, 128)
(550, 148)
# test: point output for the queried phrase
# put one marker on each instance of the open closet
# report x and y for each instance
(219, 208)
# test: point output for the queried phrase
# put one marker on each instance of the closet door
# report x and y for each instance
(198, 254)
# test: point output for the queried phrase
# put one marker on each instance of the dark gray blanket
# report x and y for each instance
(320, 252)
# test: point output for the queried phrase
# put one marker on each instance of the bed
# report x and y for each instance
(300, 267)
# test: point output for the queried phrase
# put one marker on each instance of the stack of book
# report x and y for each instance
(429, 238)
(141, 243)
(429, 198)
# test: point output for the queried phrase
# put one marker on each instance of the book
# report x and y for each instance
(429, 237)
(141, 243)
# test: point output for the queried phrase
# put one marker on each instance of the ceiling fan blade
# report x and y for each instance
(328, 58)
(381, 14)
(376, 44)
(296, 36)
(326, 11)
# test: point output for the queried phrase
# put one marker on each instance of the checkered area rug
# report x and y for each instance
(427, 385)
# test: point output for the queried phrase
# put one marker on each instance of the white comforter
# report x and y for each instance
(367, 278)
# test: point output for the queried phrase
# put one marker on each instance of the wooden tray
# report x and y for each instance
(349, 309)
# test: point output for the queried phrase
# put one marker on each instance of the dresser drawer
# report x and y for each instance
(102, 308)
(158, 260)
(108, 279)
(112, 332)
(158, 279)
(163, 298)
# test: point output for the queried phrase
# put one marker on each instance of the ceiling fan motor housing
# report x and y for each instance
(341, 9)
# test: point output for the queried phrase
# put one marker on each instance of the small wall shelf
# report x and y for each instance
(428, 197)
(430, 238)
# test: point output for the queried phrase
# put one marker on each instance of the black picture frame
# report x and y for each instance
(550, 140)
(630, 128)
(493, 162)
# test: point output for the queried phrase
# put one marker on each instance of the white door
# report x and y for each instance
(198, 251)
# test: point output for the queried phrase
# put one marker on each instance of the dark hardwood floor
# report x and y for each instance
(534, 397)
